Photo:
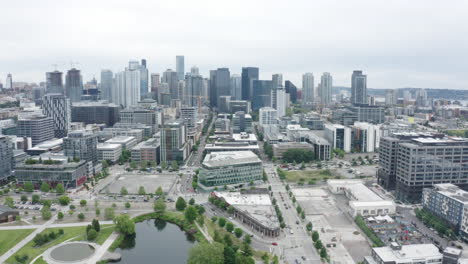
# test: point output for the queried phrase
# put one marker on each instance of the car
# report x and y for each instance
(274, 244)
(297, 222)
(303, 258)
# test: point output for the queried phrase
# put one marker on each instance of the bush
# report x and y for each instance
(64, 200)
(109, 213)
(92, 234)
(222, 221)
(83, 203)
(81, 216)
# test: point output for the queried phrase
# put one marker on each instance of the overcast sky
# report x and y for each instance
(398, 43)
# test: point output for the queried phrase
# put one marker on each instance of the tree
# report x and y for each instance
(109, 213)
(98, 211)
(72, 207)
(9, 202)
(229, 227)
(323, 253)
(92, 234)
(83, 203)
(190, 214)
(230, 209)
(309, 226)
(264, 176)
(206, 253)
(81, 216)
(159, 206)
(303, 215)
(246, 249)
(123, 191)
(298, 155)
(247, 240)
(96, 225)
(174, 165)
(159, 191)
(141, 190)
(318, 244)
(164, 165)
(45, 187)
(227, 240)
(60, 189)
(315, 236)
(28, 187)
(64, 200)
(229, 256)
(180, 204)
(238, 232)
(133, 165)
(60, 215)
(222, 221)
(191, 201)
(46, 213)
(124, 224)
(127, 205)
(24, 198)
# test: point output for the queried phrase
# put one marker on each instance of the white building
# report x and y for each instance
(326, 84)
(125, 141)
(362, 200)
(106, 151)
(281, 101)
(268, 116)
(127, 86)
(308, 87)
(339, 136)
(365, 137)
(405, 254)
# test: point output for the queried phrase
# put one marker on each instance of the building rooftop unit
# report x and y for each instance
(243, 136)
(225, 158)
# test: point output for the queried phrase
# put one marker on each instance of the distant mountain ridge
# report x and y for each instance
(431, 92)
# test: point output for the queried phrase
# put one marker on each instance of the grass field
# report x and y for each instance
(75, 233)
(40, 261)
(307, 175)
(9, 238)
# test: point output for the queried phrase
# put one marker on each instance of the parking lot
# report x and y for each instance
(133, 181)
(344, 241)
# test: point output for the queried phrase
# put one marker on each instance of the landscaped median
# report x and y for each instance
(75, 233)
(9, 238)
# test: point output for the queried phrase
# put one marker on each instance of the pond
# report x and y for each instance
(72, 252)
(156, 241)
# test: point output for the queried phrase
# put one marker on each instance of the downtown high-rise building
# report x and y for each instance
(58, 107)
(144, 76)
(220, 85)
(236, 87)
(326, 84)
(261, 93)
(9, 81)
(193, 90)
(54, 82)
(6, 158)
(358, 88)
(74, 85)
(39, 128)
(291, 89)
(194, 70)
(391, 97)
(107, 79)
(276, 83)
(180, 67)
(174, 141)
(248, 75)
(308, 95)
(170, 77)
(127, 86)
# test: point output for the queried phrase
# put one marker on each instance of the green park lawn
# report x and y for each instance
(307, 175)
(40, 261)
(75, 233)
(9, 238)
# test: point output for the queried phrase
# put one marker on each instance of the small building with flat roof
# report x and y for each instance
(405, 254)
(7, 214)
(107, 151)
(127, 142)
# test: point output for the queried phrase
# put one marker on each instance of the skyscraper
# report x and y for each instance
(54, 82)
(281, 101)
(174, 141)
(180, 67)
(277, 83)
(236, 86)
(220, 84)
(194, 70)
(143, 79)
(358, 88)
(291, 89)
(308, 95)
(248, 75)
(6, 158)
(127, 85)
(170, 77)
(57, 107)
(326, 84)
(106, 84)
(74, 85)
(9, 82)
(194, 89)
(261, 94)
(391, 97)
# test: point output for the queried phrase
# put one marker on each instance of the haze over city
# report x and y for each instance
(400, 43)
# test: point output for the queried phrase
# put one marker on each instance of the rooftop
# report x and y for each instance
(120, 139)
(225, 158)
(408, 252)
(108, 146)
(453, 191)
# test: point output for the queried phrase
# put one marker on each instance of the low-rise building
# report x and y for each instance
(126, 142)
(111, 152)
(362, 200)
(280, 148)
(230, 167)
(146, 151)
(254, 209)
(405, 254)
(7, 214)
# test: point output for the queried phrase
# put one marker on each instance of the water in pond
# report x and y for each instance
(157, 242)
(72, 252)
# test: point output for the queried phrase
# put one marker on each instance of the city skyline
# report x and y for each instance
(415, 57)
